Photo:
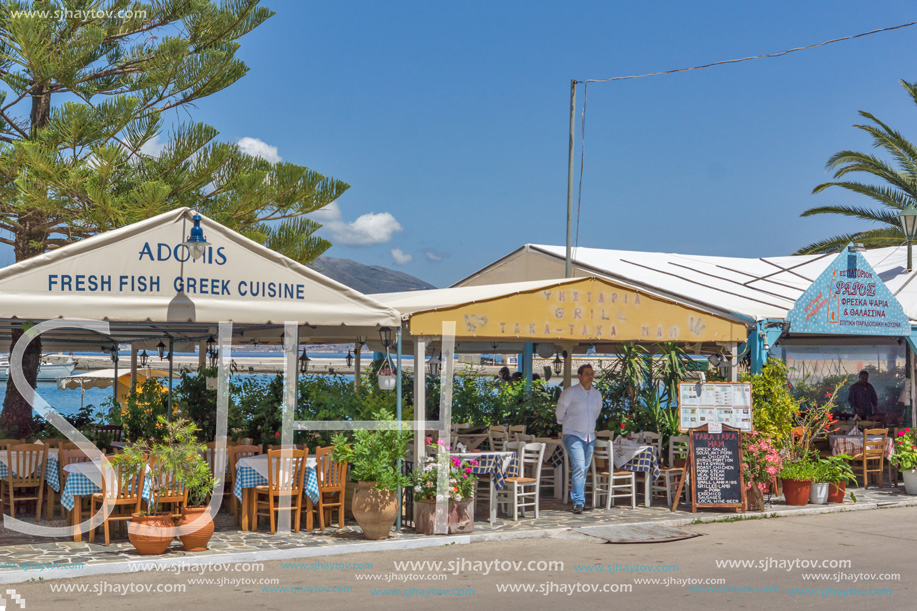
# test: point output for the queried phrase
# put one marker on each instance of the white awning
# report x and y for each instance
(142, 279)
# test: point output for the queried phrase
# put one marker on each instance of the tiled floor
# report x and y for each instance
(17, 550)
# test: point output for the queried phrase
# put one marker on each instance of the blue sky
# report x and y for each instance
(450, 121)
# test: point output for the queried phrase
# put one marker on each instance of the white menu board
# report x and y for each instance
(720, 403)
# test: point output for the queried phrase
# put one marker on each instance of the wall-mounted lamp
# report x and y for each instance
(113, 351)
(304, 361)
(349, 359)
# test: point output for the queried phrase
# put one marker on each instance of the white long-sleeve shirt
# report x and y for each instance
(577, 411)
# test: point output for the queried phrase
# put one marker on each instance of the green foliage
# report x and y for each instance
(898, 175)
(373, 455)
(804, 469)
(834, 469)
(196, 402)
(671, 368)
(632, 368)
(775, 407)
(177, 452)
(140, 414)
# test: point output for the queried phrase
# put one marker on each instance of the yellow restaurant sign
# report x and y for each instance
(590, 309)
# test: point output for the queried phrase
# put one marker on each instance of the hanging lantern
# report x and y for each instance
(144, 358)
(349, 359)
(304, 361)
(161, 349)
(197, 244)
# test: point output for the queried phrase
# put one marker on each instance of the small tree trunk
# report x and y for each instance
(16, 418)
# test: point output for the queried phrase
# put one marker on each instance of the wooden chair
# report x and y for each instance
(235, 453)
(26, 464)
(69, 457)
(498, 436)
(114, 430)
(5, 443)
(607, 480)
(522, 491)
(332, 481)
(122, 492)
(872, 458)
(171, 491)
(53, 443)
(604, 434)
(286, 469)
(671, 474)
(515, 430)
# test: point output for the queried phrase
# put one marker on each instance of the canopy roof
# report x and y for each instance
(142, 280)
(566, 311)
(756, 288)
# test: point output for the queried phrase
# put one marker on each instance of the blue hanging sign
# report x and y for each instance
(848, 298)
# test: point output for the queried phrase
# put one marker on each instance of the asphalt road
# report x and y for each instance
(865, 560)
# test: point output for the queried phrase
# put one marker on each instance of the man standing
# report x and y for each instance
(577, 410)
(863, 398)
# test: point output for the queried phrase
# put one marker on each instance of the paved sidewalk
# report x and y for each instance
(23, 557)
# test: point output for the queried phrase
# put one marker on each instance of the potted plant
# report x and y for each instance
(834, 472)
(154, 535)
(760, 465)
(179, 454)
(195, 475)
(797, 480)
(905, 458)
(373, 457)
(460, 484)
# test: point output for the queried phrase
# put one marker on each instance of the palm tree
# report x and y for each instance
(899, 190)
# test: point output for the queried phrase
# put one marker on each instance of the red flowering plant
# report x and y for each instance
(905, 456)
(629, 426)
(460, 483)
(761, 462)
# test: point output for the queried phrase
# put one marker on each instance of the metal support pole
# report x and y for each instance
(133, 367)
(910, 264)
(114, 395)
(418, 371)
(568, 265)
(357, 351)
(171, 359)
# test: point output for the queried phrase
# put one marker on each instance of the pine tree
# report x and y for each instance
(85, 87)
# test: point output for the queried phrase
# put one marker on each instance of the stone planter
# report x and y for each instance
(818, 494)
(796, 491)
(196, 541)
(374, 510)
(460, 516)
(910, 481)
(149, 542)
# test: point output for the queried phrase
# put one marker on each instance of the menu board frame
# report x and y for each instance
(712, 410)
(742, 503)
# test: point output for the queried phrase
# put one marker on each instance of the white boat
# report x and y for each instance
(47, 371)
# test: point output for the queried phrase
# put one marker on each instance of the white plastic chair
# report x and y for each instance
(522, 491)
(607, 481)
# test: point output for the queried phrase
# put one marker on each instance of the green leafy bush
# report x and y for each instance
(775, 407)
(373, 455)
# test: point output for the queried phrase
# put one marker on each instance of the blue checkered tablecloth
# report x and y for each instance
(557, 457)
(493, 465)
(52, 477)
(82, 484)
(247, 477)
(644, 462)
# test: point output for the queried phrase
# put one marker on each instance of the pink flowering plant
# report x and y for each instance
(905, 456)
(761, 462)
(460, 483)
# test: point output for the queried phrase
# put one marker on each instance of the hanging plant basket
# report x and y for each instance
(387, 377)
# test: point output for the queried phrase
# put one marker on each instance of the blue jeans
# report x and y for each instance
(579, 453)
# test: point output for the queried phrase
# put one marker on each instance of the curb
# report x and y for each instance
(164, 564)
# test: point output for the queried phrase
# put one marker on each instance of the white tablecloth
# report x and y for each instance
(625, 452)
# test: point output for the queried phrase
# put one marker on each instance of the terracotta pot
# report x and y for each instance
(374, 510)
(796, 491)
(836, 492)
(196, 541)
(460, 516)
(149, 543)
(754, 498)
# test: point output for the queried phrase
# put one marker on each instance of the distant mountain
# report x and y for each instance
(368, 278)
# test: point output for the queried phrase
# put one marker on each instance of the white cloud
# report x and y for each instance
(153, 147)
(259, 148)
(401, 257)
(328, 214)
(368, 229)
(433, 256)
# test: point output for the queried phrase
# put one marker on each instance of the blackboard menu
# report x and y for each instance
(716, 469)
